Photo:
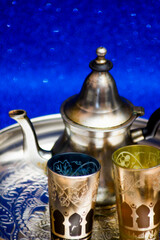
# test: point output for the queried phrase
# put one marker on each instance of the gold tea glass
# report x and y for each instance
(136, 171)
(73, 180)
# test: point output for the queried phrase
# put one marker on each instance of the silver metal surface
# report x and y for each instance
(99, 105)
(23, 188)
(98, 121)
(47, 128)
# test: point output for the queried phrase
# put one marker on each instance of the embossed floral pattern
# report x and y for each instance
(74, 168)
(156, 183)
(63, 199)
(53, 188)
(68, 195)
(128, 160)
(63, 168)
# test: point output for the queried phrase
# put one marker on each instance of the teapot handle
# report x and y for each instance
(149, 131)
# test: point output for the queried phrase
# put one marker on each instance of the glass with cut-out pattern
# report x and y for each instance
(73, 180)
(136, 170)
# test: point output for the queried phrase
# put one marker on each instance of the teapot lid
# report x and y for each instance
(98, 105)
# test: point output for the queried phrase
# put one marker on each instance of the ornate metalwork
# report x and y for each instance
(24, 208)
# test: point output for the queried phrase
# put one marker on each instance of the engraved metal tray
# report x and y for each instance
(24, 212)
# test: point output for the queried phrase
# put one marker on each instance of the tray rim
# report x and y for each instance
(56, 117)
(36, 120)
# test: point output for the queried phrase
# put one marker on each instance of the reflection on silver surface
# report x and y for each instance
(23, 188)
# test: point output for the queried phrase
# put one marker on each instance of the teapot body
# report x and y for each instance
(99, 144)
(97, 122)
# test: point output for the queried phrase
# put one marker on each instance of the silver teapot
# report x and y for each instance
(97, 122)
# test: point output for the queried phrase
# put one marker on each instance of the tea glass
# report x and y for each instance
(73, 180)
(136, 170)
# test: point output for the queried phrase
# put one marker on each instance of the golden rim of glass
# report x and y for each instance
(137, 157)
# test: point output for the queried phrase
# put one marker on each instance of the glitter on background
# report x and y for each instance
(46, 47)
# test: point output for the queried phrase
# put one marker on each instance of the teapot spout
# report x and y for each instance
(31, 149)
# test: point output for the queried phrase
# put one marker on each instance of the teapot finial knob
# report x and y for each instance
(101, 64)
(101, 52)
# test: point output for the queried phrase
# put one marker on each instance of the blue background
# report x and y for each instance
(46, 47)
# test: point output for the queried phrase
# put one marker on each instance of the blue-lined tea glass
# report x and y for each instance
(73, 180)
